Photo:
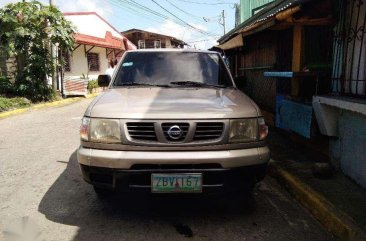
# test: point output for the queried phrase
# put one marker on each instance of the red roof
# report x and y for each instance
(108, 41)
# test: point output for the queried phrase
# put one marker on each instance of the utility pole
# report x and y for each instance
(53, 56)
(223, 21)
(218, 18)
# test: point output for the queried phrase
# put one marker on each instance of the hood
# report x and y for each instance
(172, 103)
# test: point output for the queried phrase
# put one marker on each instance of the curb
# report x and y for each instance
(63, 102)
(325, 212)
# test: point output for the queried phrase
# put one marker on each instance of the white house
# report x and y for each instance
(96, 43)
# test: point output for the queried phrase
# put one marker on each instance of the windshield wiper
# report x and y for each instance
(143, 84)
(196, 84)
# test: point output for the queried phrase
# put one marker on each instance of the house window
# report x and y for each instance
(93, 61)
(67, 63)
(141, 44)
(157, 44)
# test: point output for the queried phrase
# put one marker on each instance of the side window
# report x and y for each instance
(141, 44)
(93, 61)
(157, 44)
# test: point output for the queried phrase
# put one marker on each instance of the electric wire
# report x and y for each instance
(184, 22)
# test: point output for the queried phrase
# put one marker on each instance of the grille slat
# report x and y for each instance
(206, 131)
(144, 131)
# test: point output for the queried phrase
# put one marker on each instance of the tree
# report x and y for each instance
(27, 30)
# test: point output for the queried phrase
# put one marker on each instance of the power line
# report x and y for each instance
(141, 7)
(204, 19)
(200, 18)
(138, 5)
(197, 41)
(134, 8)
(133, 12)
(181, 20)
(130, 14)
(204, 3)
(184, 22)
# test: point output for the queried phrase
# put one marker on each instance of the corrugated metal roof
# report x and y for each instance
(248, 6)
(267, 13)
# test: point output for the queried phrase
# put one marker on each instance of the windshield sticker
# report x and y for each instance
(127, 64)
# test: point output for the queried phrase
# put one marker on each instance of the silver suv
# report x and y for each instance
(172, 121)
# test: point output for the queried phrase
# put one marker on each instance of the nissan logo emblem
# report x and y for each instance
(175, 132)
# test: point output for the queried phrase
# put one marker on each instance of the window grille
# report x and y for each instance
(93, 61)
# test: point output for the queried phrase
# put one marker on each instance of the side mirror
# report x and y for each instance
(104, 80)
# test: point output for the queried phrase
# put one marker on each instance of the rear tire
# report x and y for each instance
(103, 193)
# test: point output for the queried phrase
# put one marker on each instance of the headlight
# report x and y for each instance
(243, 130)
(105, 130)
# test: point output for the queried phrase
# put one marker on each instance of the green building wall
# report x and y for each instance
(247, 7)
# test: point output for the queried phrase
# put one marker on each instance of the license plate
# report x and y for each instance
(176, 183)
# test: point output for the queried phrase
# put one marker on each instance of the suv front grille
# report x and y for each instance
(184, 127)
(168, 132)
(144, 131)
(208, 131)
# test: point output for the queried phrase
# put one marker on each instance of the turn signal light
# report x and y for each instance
(263, 129)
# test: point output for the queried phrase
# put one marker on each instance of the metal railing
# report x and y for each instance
(349, 53)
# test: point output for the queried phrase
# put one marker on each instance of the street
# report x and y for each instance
(40, 179)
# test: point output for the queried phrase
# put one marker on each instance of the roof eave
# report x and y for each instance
(261, 16)
(163, 35)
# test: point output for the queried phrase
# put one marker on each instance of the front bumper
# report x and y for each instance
(228, 169)
(213, 179)
(126, 159)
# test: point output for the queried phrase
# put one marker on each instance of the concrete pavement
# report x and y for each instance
(40, 179)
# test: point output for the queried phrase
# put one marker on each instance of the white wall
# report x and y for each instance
(167, 43)
(79, 64)
(92, 25)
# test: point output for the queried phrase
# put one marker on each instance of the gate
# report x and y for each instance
(75, 86)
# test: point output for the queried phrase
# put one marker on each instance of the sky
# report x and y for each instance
(197, 22)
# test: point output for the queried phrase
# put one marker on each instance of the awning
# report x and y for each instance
(109, 41)
(235, 42)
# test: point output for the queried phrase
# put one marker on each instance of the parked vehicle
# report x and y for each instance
(172, 121)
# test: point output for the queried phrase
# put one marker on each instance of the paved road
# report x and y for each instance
(39, 178)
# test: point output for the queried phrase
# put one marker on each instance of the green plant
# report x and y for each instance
(93, 84)
(28, 29)
(13, 103)
(6, 87)
(83, 76)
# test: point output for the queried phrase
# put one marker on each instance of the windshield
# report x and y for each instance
(172, 69)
